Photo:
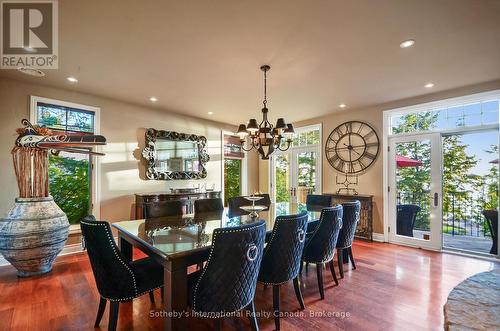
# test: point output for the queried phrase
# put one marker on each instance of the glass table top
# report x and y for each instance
(179, 234)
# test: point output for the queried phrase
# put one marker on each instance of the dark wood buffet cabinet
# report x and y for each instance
(186, 198)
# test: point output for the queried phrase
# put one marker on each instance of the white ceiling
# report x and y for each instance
(201, 56)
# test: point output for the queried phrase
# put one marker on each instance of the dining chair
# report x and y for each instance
(162, 208)
(208, 205)
(315, 201)
(282, 258)
(320, 244)
(117, 279)
(405, 219)
(491, 217)
(350, 220)
(227, 283)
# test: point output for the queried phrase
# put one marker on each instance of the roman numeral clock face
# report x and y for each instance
(352, 147)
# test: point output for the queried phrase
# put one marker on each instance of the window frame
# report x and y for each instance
(243, 170)
(95, 162)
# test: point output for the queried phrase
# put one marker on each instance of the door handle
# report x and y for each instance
(436, 199)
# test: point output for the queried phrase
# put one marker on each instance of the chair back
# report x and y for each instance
(282, 255)
(162, 208)
(405, 219)
(113, 276)
(318, 202)
(492, 221)
(227, 283)
(320, 246)
(208, 205)
(350, 219)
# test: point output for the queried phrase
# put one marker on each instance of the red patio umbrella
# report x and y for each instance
(494, 161)
(403, 161)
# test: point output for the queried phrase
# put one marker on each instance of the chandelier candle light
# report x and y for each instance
(264, 137)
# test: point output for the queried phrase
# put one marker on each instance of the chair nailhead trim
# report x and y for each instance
(112, 243)
(130, 298)
(210, 258)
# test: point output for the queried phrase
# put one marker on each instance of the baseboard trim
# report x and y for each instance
(378, 237)
(67, 250)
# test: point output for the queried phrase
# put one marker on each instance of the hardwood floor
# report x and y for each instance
(393, 288)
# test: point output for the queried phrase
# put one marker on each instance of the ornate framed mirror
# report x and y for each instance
(172, 155)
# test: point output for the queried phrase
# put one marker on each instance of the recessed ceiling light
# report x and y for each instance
(31, 71)
(210, 113)
(72, 79)
(342, 105)
(153, 99)
(407, 43)
(429, 85)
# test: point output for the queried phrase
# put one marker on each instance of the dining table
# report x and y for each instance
(177, 242)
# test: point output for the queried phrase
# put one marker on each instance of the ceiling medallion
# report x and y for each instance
(264, 137)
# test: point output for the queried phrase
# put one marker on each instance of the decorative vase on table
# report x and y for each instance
(36, 229)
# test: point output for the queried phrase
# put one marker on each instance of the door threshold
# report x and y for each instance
(477, 255)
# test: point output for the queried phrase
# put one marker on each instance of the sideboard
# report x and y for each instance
(186, 198)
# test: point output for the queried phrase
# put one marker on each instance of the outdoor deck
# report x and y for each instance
(469, 243)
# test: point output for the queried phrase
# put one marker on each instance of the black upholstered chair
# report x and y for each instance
(162, 208)
(405, 219)
(117, 279)
(227, 282)
(235, 203)
(320, 244)
(208, 205)
(282, 257)
(350, 220)
(315, 201)
(492, 220)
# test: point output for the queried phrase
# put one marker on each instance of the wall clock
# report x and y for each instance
(352, 147)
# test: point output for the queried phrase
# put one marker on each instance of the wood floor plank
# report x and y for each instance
(393, 288)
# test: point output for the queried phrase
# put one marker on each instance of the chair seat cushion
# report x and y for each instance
(148, 274)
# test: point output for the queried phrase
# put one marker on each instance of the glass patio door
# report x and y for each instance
(415, 190)
(295, 174)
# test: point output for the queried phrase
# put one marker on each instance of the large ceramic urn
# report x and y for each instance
(32, 235)
(36, 229)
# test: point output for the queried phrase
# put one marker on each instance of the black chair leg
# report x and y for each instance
(100, 312)
(298, 293)
(340, 259)
(152, 297)
(301, 267)
(276, 306)
(349, 251)
(307, 266)
(319, 272)
(113, 315)
(252, 318)
(334, 274)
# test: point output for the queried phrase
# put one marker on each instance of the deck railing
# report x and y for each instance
(462, 213)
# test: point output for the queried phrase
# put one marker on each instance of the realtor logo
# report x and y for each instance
(29, 34)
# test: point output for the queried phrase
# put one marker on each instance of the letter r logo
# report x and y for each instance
(27, 27)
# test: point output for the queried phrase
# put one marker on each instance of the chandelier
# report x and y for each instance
(264, 137)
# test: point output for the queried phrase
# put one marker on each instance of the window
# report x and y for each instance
(71, 180)
(308, 136)
(452, 116)
(233, 161)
